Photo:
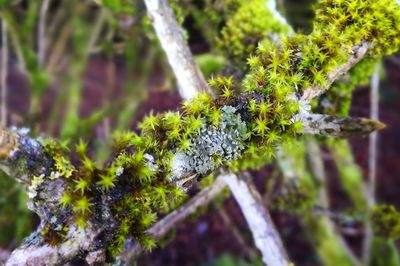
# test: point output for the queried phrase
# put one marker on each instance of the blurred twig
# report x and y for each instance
(42, 38)
(4, 73)
(373, 137)
(331, 246)
(372, 165)
(265, 235)
(317, 169)
(250, 252)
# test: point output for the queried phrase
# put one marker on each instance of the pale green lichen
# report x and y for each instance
(217, 145)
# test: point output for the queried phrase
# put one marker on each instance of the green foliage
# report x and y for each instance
(294, 197)
(384, 253)
(119, 6)
(21, 30)
(15, 219)
(350, 173)
(210, 63)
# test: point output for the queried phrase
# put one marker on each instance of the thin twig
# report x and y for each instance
(372, 164)
(4, 73)
(373, 137)
(358, 53)
(42, 38)
(250, 252)
(98, 26)
(265, 235)
(317, 169)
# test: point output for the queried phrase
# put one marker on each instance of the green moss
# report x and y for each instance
(337, 100)
(248, 25)
(386, 221)
(300, 61)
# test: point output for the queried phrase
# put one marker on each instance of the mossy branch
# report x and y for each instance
(88, 212)
(356, 55)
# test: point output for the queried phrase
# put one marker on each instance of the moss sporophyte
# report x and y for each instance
(239, 129)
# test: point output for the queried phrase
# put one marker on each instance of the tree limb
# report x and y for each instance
(340, 127)
(357, 54)
(170, 34)
(265, 235)
(4, 73)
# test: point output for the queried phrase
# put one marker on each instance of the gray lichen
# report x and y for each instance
(215, 145)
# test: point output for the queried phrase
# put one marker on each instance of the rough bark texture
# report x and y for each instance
(340, 127)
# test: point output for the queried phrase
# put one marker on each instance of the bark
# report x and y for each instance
(170, 34)
(340, 127)
(265, 235)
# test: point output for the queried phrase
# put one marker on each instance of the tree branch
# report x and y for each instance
(42, 38)
(372, 165)
(357, 54)
(4, 73)
(170, 34)
(265, 235)
(340, 127)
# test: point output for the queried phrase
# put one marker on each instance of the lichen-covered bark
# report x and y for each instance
(341, 127)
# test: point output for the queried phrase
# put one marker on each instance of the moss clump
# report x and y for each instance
(356, 21)
(245, 28)
(386, 221)
(299, 62)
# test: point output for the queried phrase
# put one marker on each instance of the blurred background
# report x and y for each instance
(84, 69)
